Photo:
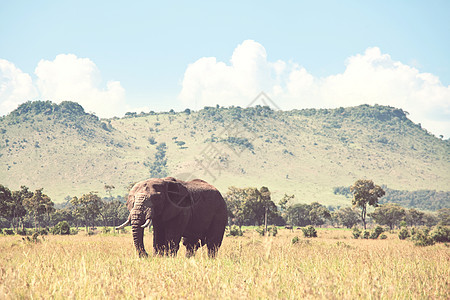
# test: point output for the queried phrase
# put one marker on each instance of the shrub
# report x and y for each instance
(383, 236)
(61, 228)
(376, 233)
(273, 230)
(8, 231)
(441, 234)
(295, 240)
(34, 237)
(365, 234)
(42, 231)
(106, 230)
(235, 231)
(309, 231)
(22, 231)
(403, 234)
(356, 233)
(260, 230)
(421, 238)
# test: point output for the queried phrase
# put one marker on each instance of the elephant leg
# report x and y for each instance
(173, 243)
(192, 245)
(159, 241)
(214, 237)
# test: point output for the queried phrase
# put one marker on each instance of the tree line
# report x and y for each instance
(26, 209)
(421, 199)
(246, 206)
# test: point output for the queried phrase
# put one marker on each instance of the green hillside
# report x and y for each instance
(303, 152)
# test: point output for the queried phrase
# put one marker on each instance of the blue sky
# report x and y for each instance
(115, 56)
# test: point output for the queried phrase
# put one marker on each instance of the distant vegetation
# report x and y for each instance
(304, 152)
(158, 167)
(422, 199)
(246, 206)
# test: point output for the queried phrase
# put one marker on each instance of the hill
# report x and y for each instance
(303, 152)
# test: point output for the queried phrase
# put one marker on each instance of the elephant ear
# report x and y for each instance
(177, 198)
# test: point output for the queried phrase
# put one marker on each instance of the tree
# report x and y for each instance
(346, 216)
(284, 202)
(365, 192)
(88, 207)
(414, 217)
(444, 216)
(389, 214)
(11, 204)
(37, 205)
(298, 215)
(158, 168)
(264, 195)
(250, 206)
(430, 219)
(235, 199)
(112, 212)
(108, 189)
(61, 215)
(19, 208)
(318, 214)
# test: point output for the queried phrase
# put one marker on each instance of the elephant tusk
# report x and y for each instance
(147, 223)
(123, 225)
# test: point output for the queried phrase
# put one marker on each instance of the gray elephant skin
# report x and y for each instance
(193, 210)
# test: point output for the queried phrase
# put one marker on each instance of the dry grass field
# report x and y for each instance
(332, 266)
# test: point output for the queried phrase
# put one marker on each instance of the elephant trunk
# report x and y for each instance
(137, 219)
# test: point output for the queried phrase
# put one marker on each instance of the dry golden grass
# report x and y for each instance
(332, 266)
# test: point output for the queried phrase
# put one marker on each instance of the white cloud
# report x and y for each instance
(69, 78)
(369, 78)
(66, 78)
(15, 87)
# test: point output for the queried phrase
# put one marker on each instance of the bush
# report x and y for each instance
(34, 237)
(365, 234)
(260, 230)
(42, 231)
(376, 233)
(8, 231)
(441, 234)
(22, 231)
(383, 236)
(356, 233)
(235, 231)
(61, 228)
(106, 230)
(273, 230)
(403, 234)
(295, 240)
(309, 231)
(421, 238)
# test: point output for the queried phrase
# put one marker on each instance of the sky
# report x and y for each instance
(115, 56)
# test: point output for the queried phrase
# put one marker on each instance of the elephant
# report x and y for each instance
(192, 210)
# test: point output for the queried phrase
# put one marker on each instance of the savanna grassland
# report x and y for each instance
(249, 267)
